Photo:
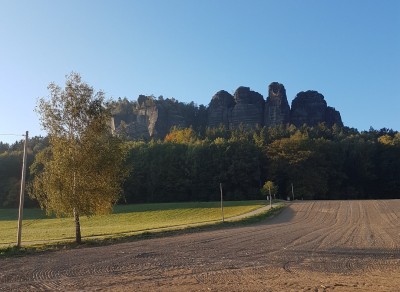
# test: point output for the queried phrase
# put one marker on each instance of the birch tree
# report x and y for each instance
(82, 171)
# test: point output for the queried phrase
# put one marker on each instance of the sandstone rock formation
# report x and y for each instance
(169, 115)
(333, 117)
(248, 110)
(277, 110)
(142, 121)
(149, 117)
(310, 108)
(220, 109)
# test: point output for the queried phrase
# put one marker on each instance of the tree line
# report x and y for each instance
(320, 162)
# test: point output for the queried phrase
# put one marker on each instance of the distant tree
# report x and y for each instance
(82, 170)
(396, 139)
(4, 147)
(10, 172)
(296, 160)
(386, 140)
(182, 136)
(269, 188)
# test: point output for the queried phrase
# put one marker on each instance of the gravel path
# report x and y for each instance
(310, 246)
(252, 213)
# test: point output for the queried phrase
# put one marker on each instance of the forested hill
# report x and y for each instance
(321, 162)
(182, 152)
(149, 117)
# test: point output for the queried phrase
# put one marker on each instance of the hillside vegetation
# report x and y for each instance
(188, 165)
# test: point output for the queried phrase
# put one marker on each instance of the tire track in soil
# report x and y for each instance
(305, 248)
(333, 237)
(357, 234)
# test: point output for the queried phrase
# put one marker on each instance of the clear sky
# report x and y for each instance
(348, 50)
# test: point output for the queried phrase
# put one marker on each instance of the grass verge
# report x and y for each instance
(126, 219)
(12, 251)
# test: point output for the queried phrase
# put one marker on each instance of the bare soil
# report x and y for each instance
(310, 246)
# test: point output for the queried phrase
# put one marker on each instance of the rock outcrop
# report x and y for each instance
(169, 115)
(220, 109)
(277, 110)
(310, 108)
(248, 110)
(333, 117)
(146, 116)
(149, 117)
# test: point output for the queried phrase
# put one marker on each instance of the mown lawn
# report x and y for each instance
(126, 219)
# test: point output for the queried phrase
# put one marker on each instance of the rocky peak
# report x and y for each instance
(333, 117)
(220, 109)
(153, 118)
(222, 98)
(309, 96)
(246, 96)
(248, 110)
(308, 107)
(276, 92)
(277, 110)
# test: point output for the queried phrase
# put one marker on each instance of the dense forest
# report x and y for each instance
(11, 169)
(188, 165)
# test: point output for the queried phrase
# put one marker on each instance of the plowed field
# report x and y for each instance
(310, 246)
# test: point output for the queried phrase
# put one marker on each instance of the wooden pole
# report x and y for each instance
(292, 192)
(22, 192)
(270, 196)
(222, 203)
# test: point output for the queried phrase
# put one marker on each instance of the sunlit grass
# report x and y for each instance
(126, 219)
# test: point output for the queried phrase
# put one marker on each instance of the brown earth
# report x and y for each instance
(310, 246)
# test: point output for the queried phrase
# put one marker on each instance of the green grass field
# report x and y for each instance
(125, 220)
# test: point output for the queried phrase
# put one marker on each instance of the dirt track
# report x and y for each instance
(310, 246)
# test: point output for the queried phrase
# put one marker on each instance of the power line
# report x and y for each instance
(12, 135)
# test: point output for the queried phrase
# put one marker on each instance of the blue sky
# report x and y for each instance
(348, 50)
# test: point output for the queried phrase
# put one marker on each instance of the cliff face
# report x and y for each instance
(333, 117)
(220, 109)
(277, 110)
(248, 110)
(138, 121)
(149, 118)
(310, 108)
(168, 117)
(153, 118)
(245, 107)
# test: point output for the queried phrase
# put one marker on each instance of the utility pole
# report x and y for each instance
(222, 203)
(22, 193)
(292, 192)
(270, 196)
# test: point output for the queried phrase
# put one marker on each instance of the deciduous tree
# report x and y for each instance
(82, 171)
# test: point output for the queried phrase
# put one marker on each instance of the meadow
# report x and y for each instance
(125, 220)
